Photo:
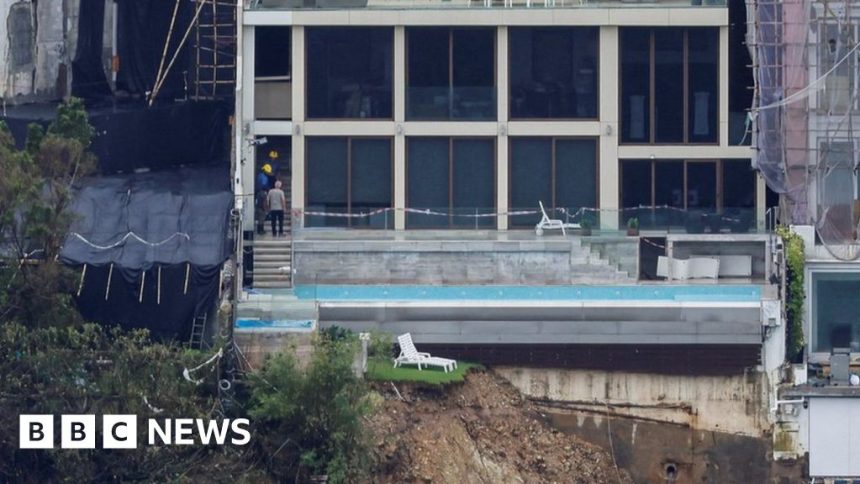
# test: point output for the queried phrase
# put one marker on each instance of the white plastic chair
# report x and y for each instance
(409, 355)
(547, 223)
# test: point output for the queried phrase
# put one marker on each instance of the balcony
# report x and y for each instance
(471, 4)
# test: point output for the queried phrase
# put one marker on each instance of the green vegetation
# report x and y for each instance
(309, 421)
(305, 421)
(380, 369)
(92, 370)
(795, 293)
(35, 193)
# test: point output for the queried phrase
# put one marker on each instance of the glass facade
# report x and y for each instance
(835, 312)
(561, 173)
(451, 74)
(454, 179)
(717, 194)
(349, 72)
(669, 85)
(348, 176)
(553, 72)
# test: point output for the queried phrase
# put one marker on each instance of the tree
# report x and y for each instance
(309, 420)
(36, 192)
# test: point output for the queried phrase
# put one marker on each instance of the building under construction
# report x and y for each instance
(157, 78)
(805, 137)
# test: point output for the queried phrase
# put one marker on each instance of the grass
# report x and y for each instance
(380, 369)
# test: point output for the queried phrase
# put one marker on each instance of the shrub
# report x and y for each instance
(795, 293)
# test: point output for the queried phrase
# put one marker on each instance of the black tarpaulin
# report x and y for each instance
(131, 136)
(88, 75)
(159, 238)
(142, 27)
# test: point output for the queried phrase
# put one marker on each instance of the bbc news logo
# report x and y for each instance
(120, 431)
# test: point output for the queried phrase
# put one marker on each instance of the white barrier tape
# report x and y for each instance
(299, 213)
(130, 235)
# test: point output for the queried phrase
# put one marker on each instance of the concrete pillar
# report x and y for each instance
(298, 114)
(399, 119)
(246, 129)
(608, 150)
(502, 140)
(760, 202)
(724, 86)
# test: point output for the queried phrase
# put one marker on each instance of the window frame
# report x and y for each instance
(597, 63)
(306, 91)
(554, 140)
(652, 90)
(450, 224)
(719, 166)
(349, 200)
(449, 118)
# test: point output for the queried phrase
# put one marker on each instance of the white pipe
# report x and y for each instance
(777, 403)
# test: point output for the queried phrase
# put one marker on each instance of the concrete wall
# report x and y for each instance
(546, 323)
(735, 404)
(537, 262)
(55, 24)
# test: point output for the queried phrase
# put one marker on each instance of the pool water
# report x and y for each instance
(293, 324)
(703, 293)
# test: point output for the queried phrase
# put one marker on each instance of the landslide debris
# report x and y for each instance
(482, 430)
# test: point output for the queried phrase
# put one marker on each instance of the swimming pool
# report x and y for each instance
(700, 293)
(277, 324)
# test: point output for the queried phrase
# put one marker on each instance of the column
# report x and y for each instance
(399, 120)
(724, 86)
(502, 139)
(245, 128)
(608, 151)
(298, 115)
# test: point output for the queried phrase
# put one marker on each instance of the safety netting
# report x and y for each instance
(149, 247)
(805, 112)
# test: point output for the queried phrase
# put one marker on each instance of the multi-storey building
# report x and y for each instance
(418, 140)
(465, 108)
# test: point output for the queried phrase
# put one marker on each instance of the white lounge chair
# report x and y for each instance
(692, 268)
(410, 356)
(547, 223)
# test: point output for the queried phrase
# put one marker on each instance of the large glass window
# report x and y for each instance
(273, 94)
(669, 79)
(834, 43)
(740, 75)
(348, 176)
(561, 173)
(664, 193)
(553, 72)
(349, 72)
(451, 73)
(453, 179)
(835, 312)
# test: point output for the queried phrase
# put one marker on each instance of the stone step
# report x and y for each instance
(271, 264)
(272, 256)
(272, 284)
(271, 278)
(271, 271)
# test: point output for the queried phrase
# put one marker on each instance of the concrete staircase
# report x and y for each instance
(273, 256)
(601, 262)
(618, 251)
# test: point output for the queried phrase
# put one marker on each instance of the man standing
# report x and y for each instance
(264, 183)
(277, 203)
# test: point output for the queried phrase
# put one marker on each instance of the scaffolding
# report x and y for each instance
(805, 110)
(214, 26)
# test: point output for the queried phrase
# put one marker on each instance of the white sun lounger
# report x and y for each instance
(410, 356)
(547, 223)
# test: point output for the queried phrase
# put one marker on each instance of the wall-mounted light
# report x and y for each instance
(608, 130)
(503, 129)
(298, 129)
(399, 129)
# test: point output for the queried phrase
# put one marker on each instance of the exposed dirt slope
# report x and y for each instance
(479, 431)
